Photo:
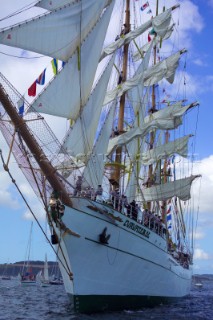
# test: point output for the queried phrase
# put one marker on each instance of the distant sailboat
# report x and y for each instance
(6, 278)
(56, 282)
(43, 276)
(55, 279)
(198, 285)
(5, 275)
(197, 282)
(27, 277)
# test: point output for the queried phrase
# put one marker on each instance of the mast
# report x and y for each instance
(118, 157)
(20, 125)
(152, 133)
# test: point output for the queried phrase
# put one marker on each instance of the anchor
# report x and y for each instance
(103, 237)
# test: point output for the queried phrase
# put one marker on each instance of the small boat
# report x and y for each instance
(6, 275)
(43, 276)
(56, 282)
(6, 278)
(27, 277)
(198, 284)
(55, 278)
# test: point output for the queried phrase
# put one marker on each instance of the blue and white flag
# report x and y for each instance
(20, 105)
(169, 216)
(41, 78)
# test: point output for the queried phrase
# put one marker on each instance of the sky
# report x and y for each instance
(195, 19)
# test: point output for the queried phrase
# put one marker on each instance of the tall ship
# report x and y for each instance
(116, 187)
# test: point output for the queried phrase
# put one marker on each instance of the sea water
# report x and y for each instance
(41, 303)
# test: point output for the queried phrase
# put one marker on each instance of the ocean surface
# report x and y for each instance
(41, 303)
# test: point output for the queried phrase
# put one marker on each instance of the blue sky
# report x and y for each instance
(195, 18)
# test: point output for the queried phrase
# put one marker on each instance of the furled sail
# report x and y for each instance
(133, 147)
(93, 172)
(67, 102)
(164, 69)
(80, 137)
(179, 146)
(134, 84)
(160, 24)
(69, 25)
(180, 188)
(138, 54)
(132, 184)
(165, 119)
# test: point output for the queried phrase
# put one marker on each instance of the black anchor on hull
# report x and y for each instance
(103, 237)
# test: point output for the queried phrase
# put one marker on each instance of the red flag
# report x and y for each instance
(149, 37)
(32, 90)
(144, 6)
(168, 210)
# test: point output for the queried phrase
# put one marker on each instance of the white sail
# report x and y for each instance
(93, 172)
(136, 94)
(132, 184)
(180, 188)
(165, 119)
(179, 146)
(68, 25)
(133, 147)
(164, 69)
(46, 270)
(81, 136)
(172, 112)
(139, 54)
(134, 85)
(53, 4)
(160, 24)
(80, 69)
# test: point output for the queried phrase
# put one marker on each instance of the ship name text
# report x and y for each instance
(136, 228)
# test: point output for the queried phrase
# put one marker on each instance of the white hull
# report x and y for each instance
(28, 283)
(134, 263)
(44, 283)
(198, 285)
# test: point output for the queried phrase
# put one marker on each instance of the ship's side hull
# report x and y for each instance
(132, 270)
(101, 303)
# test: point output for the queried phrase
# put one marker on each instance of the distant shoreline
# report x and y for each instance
(13, 269)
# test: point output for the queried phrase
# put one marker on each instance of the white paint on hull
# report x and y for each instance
(131, 264)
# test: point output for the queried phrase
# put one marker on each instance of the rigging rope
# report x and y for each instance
(28, 206)
(25, 8)
(20, 57)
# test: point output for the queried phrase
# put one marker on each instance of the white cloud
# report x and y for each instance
(9, 195)
(202, 187)
(8, 200)
(210, 3)
(199, 62)
(187, 23)
(200, 254)
(37, 210)
(199, 235)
